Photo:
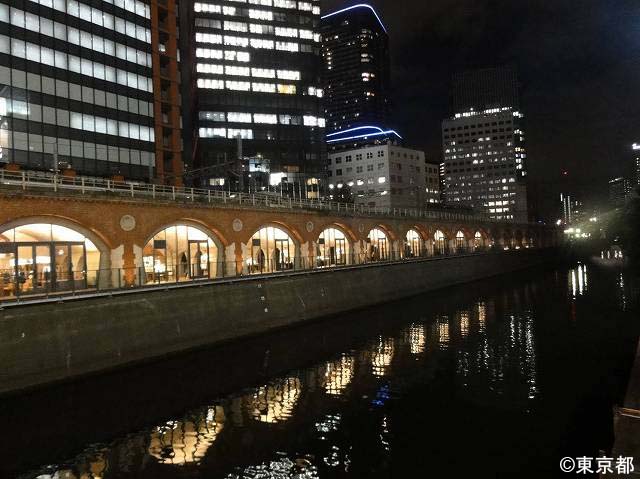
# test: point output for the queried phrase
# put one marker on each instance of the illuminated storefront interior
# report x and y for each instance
(180, 253)
(439, 245)
(42, 258)
(477, 240)
(378, 249)
(413, 244)
(272, 249)
(333, 248)
(459, 241)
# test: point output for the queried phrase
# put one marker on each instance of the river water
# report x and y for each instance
(499, 378)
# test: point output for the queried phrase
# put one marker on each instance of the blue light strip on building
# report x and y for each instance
(342, 132)
(360, 5)
(388, 132)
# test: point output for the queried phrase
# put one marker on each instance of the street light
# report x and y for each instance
(636, 146)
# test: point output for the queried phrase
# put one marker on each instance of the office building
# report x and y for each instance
(387, 176)
(258, 98)
(80, 87)
(483, 146)
(619, 191)
(432, 183)
(355, 50)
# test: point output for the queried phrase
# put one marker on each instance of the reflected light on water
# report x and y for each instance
(578, 280)
(464, 323)
(338, 375)
(187, 441)
(382, 356)
(417, 338)
(275, 403)
(443, 332)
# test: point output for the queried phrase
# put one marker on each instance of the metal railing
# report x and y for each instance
(39, 181)
(18, 286)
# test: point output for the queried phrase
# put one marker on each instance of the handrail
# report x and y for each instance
(82, 185)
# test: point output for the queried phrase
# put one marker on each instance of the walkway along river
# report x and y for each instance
(499, 378)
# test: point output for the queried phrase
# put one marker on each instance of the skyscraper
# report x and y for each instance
(355, 50)
(258, 99)
(483, 145)
(77, 86)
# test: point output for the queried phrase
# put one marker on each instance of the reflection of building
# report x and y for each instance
(417, 338)
(274, 403)
(484, 156)
(257, 70)
(338, 375)
(187, 440)
(81, 88)
(382, 356)
(619, 190)
(387, 176)
(356, 70)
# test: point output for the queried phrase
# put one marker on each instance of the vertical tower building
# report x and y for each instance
(77, 84)
(257, 96)
(355, 49)
(483, 145)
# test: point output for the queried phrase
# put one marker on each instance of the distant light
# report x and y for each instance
(360, 5)
(559, 222)
(636, 146)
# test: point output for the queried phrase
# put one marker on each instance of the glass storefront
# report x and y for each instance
(459, 241)
(378, 245)
(272, 249)
(439, 244)
(413, 244)
(180, 253)
(332, 249)
(477, 241)
(45, 258)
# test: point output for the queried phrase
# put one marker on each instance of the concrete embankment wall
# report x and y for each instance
(44, 343)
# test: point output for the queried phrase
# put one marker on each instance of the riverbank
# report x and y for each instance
(42, 344)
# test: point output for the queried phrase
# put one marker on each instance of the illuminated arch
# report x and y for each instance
(182, 251)
(379, 245)
(439, 243)
(413, 244)
(272, 249)
(44, 254)
(460, 241)
(333, 247)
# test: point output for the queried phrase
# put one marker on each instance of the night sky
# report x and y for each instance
(579, 67)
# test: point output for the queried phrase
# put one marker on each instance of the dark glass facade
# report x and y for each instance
(355, 49)
(76, 87)
(256, 83)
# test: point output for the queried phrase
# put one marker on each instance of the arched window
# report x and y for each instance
(477, 241)
(439, 244)
(413, 244)
(272, 249)
(459, 241)
(180, 253)
(332, 249)
(43, 257)
(378, 247)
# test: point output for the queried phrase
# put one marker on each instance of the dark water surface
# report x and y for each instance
(499, 378)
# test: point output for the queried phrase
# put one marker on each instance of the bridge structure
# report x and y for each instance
(62, 235)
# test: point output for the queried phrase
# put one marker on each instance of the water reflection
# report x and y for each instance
(186, 441)
(578, 280)
(311, 420)
(274, 403)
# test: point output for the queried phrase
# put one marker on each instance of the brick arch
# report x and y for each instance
(421, 230)
(292, 232)
(346, 230)
(389, 231)
(100, 240)
(220, 241)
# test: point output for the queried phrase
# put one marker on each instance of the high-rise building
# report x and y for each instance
(355, 49)
(432, 182)
(484, 163)
(257, 92)
(387, 176)
(619, 191)
(636, 149)
(77, 86)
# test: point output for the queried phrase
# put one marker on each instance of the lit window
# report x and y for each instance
(287, 89)
(264, 118)
(287, 46)
(244, 134)
(238, 85)
(260, 14)
(238, 117)
(264, 87)
(209, 68)
(263, 73)
(213, 132)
